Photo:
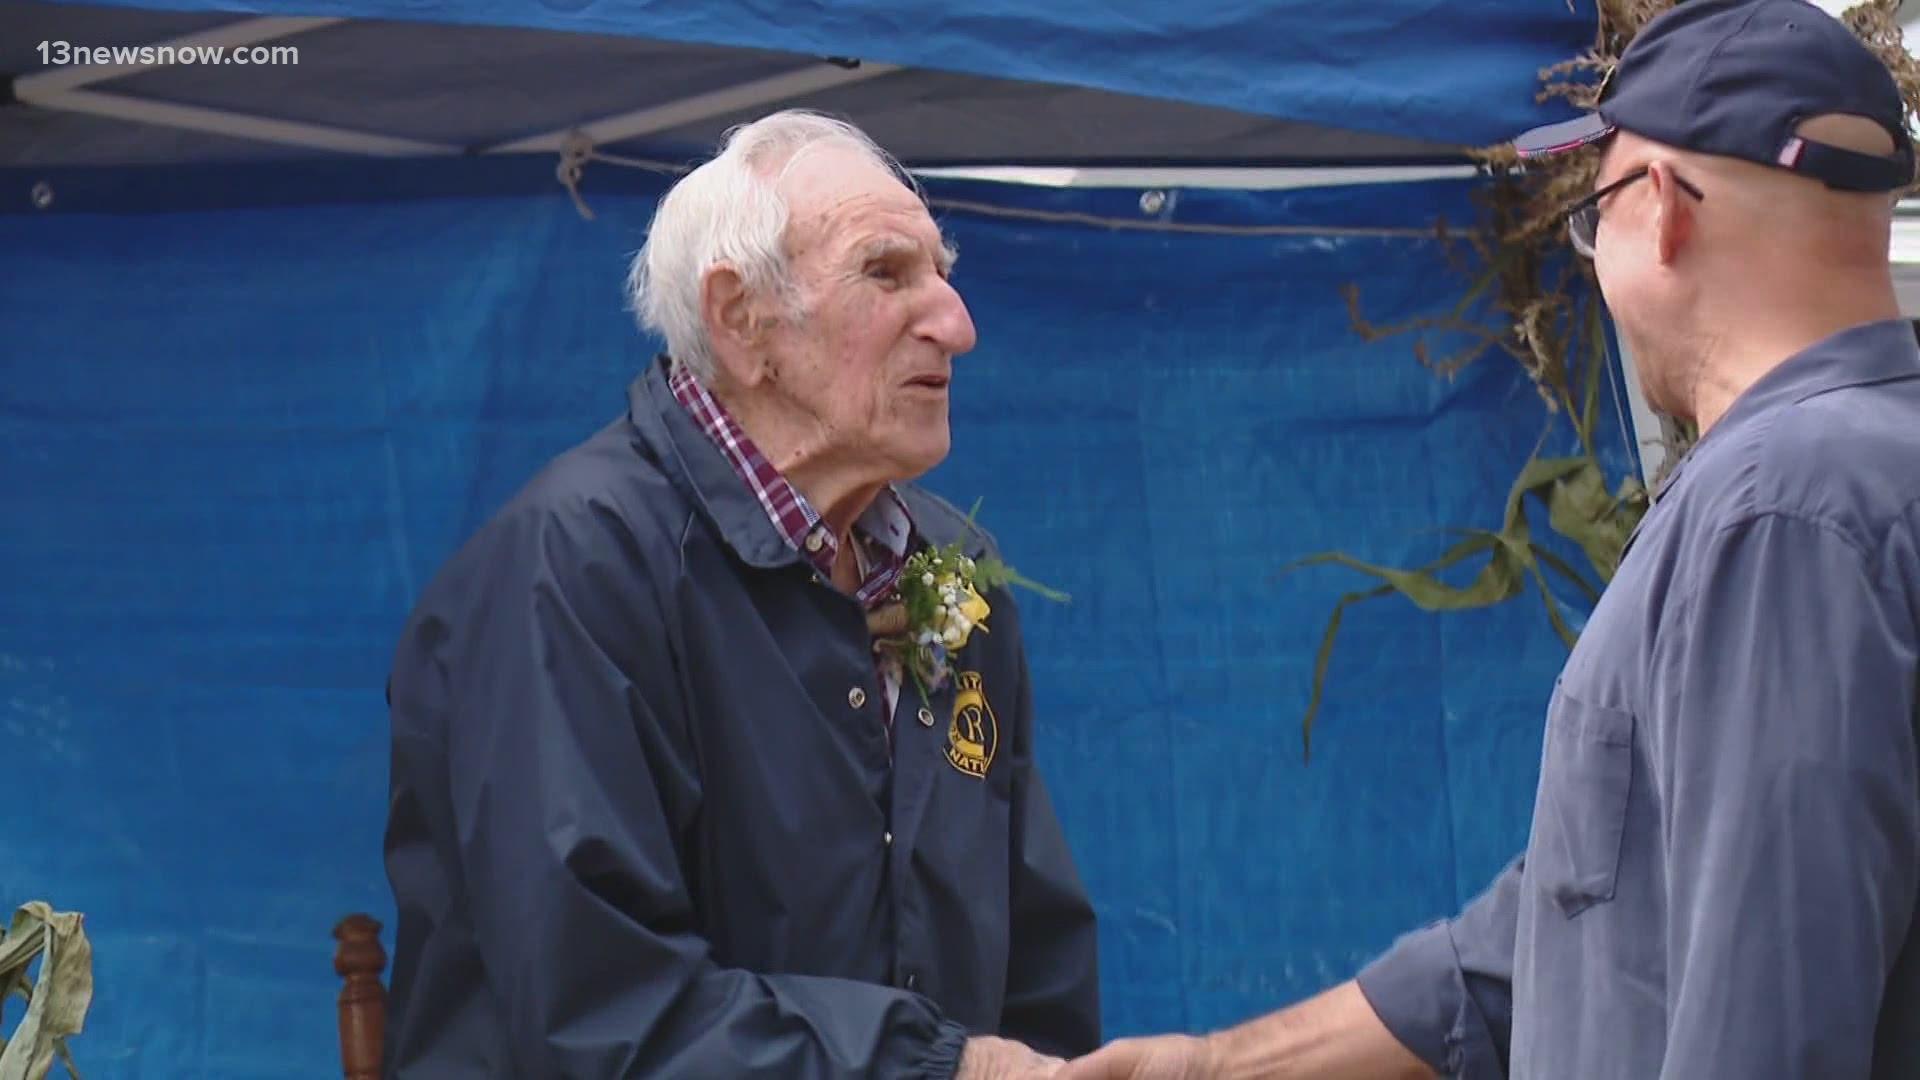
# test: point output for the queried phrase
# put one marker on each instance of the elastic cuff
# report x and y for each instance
(943, 1056)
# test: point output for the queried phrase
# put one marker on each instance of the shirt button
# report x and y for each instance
(888, 837)
(814, 541)
(856, 697)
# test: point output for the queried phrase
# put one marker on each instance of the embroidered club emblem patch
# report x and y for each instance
(973, 735)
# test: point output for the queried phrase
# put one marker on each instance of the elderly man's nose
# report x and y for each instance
(947, 322)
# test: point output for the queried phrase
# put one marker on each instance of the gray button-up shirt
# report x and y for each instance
(1722, 871)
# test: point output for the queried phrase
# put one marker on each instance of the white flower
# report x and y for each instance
(940, 611)
(927, 578)
(953, 635)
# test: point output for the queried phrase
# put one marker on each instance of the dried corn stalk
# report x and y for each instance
(1526, 297)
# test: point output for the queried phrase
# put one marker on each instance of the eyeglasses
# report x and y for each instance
(1583, 217)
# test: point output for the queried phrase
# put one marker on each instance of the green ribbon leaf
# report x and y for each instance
(1574, 492)
(1495, 582)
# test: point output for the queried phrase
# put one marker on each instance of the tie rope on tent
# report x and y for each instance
(577, 150)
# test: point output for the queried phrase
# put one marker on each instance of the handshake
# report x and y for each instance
(1166, 1057)
(1333, 1036)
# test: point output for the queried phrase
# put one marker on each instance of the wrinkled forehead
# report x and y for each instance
(839, 201)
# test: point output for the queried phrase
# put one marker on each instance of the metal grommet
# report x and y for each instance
(856, 697)
(1152, 202)
(926, 717)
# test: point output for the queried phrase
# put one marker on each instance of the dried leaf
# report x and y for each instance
(57, 1007)
(1588, 591)
(1526, 297)
(1419, 585)
(1323, 658)
(1511, 557)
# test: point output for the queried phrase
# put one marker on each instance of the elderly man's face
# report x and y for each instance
(871, 357)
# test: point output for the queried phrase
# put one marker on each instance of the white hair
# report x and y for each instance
(730, 211)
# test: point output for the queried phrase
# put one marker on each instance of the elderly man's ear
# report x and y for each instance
(737, 322)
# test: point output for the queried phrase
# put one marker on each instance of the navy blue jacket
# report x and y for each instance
(645, 818)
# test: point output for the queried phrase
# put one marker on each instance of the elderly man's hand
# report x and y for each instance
(1163, 1057)
(989, 1057)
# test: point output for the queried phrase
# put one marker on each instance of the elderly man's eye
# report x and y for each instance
(884, 272)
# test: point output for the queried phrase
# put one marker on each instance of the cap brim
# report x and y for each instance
(1562, 137)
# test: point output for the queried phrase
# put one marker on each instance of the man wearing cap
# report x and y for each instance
(1725, 853)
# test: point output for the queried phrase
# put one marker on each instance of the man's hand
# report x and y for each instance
(1334, 1036)
(1163, 1057)
(989, 1057)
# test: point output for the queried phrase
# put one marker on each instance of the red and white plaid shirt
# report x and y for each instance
(884, 532)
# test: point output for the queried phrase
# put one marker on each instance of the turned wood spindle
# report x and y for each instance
(360, 960)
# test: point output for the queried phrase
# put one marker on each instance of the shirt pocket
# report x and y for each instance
(1586, 777)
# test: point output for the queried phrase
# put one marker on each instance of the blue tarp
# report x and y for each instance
(234, 442)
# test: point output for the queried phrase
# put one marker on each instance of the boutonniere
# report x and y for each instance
(935, 607)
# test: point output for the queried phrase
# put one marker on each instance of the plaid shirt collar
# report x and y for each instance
(885, 531)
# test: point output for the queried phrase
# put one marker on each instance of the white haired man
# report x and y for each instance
(661, 804)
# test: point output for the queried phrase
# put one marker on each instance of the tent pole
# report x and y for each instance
(692, 110)
(64, 89)
(239, 125)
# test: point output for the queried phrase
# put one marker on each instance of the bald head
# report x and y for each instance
(1728, 230)
(1716, 267)
(1753, 211)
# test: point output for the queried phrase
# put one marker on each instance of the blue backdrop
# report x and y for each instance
(234, 443)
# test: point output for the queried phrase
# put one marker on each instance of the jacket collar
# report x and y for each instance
(701, 472)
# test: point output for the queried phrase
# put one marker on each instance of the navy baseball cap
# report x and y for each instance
(1734, 78)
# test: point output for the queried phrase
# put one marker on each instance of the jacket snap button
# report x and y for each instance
(926, 717)
(856, 697)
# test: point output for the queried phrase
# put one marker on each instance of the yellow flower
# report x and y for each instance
(973, 607)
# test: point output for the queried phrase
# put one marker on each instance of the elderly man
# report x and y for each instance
(1722, 873)
(662, 804)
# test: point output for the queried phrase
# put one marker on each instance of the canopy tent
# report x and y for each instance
(1078, 82)
(293, 329)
